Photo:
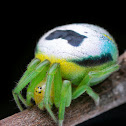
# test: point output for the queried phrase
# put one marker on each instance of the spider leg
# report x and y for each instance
(34, 68)
(33, 83)
(57, 86)
(54, 69)
(30, 68)
(65, 99)
(62, 93)
(85, 84)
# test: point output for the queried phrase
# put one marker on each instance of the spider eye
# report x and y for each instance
(39, 87)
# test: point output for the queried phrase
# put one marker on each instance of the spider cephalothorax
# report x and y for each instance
(75, 54)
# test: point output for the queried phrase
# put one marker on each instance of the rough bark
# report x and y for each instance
(112, 93)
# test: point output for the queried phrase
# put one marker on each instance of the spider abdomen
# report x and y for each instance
(78, 48)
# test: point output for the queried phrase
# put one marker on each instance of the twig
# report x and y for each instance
(112, 93)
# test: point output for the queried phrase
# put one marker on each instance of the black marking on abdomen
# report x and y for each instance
(73, 38)
(94, 61)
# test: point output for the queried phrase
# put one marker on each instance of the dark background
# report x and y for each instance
(22, 26)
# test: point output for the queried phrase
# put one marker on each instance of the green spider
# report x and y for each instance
(69, 56)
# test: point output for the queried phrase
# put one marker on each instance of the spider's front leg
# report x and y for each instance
(85, 84)
(62, 93)
(33, 84)
(33, 69)
(54, 69)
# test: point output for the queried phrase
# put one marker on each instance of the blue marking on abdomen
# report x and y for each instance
(73, 38)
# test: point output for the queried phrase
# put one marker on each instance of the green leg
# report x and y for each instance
(46, 102)
(30, 68)
(57, 86)
(34, 82)
(33, 70)
(83, 86)
(65, 99)
(59, 92)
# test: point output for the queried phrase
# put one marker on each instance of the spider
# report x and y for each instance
(75, 54)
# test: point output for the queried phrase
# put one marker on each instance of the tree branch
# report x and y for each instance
(112, 93)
